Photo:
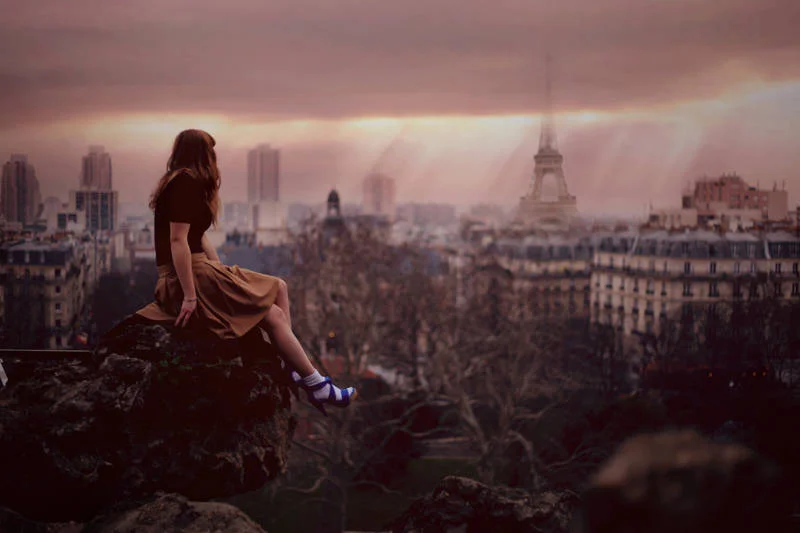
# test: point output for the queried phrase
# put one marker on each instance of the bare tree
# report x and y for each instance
(502, 360)
(358, 302)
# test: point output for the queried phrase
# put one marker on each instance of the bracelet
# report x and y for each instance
(190, 299)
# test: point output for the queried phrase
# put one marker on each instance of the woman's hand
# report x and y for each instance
(186, 312)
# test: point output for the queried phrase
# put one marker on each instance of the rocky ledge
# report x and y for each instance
(465, 505)
(153, 410)
(161, 513)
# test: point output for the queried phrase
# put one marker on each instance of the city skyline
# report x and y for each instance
(647, 96)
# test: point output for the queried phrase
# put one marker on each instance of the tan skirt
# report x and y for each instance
(231, 301)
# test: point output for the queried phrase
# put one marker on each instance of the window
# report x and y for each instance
(795, 289)
(777, 268)
(687, 289)
(778, 290)
(687, 268)
(650, 286)
(58, 272)
(713, 290)
(712, 268)
(611, 261)
(652, 265)
(753, 268)
(737, 289)
(58, 322)
(58, 340)
(794, 268)
(58, 307)
(753, 290)
(58, 289)
(737, 268)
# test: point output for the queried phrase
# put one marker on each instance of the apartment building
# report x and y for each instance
(553, 271)
(44, 290)
(660, 274)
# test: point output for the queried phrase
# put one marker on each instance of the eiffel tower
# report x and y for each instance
(533, 210)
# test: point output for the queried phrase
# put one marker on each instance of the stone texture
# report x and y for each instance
(11, 521)
(683, 482)
(161, 513)
(154, 410)
(467, 506)
(168, 513)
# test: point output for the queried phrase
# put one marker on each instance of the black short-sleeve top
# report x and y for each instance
(182, 200)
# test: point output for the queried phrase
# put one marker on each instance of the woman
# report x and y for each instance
(195, 288)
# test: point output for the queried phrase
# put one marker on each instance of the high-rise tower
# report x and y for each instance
(379, 195)
(96, 169)
(21, 199)
(263, 174)
(533, 209)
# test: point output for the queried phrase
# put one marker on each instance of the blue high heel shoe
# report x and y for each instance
(348, 395)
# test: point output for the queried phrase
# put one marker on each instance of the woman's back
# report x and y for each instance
(182, 200)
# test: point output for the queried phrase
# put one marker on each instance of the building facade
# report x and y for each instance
(96, 169)
(658, 275)
(731, 192)
(21, 197)
(263, 174)
(552, 272)
(101, 208)
(428, 214)
(44, 291)
(379, 196)
(237, 215)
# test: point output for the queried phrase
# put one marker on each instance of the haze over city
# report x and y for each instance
(443, 95)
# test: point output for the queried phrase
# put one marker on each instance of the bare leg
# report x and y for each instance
(320, 390)
(282, 300)
(280, 331)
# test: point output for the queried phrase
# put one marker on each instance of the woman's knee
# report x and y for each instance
(282, 287)
(276, 317)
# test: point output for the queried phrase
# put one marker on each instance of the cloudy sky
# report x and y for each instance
(445, 95)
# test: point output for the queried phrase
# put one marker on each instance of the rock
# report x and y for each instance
(680, 481)
(168, 513)
(463, 505)
(12, 521)
(153, 410)
(161, 513)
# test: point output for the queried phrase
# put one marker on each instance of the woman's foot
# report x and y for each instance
(321, 391)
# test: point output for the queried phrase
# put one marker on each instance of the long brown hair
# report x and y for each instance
(193, 152)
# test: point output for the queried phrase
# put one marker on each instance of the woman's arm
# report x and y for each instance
(182, 257)
(208, 249)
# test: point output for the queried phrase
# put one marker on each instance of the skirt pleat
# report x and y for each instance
(231, 301)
